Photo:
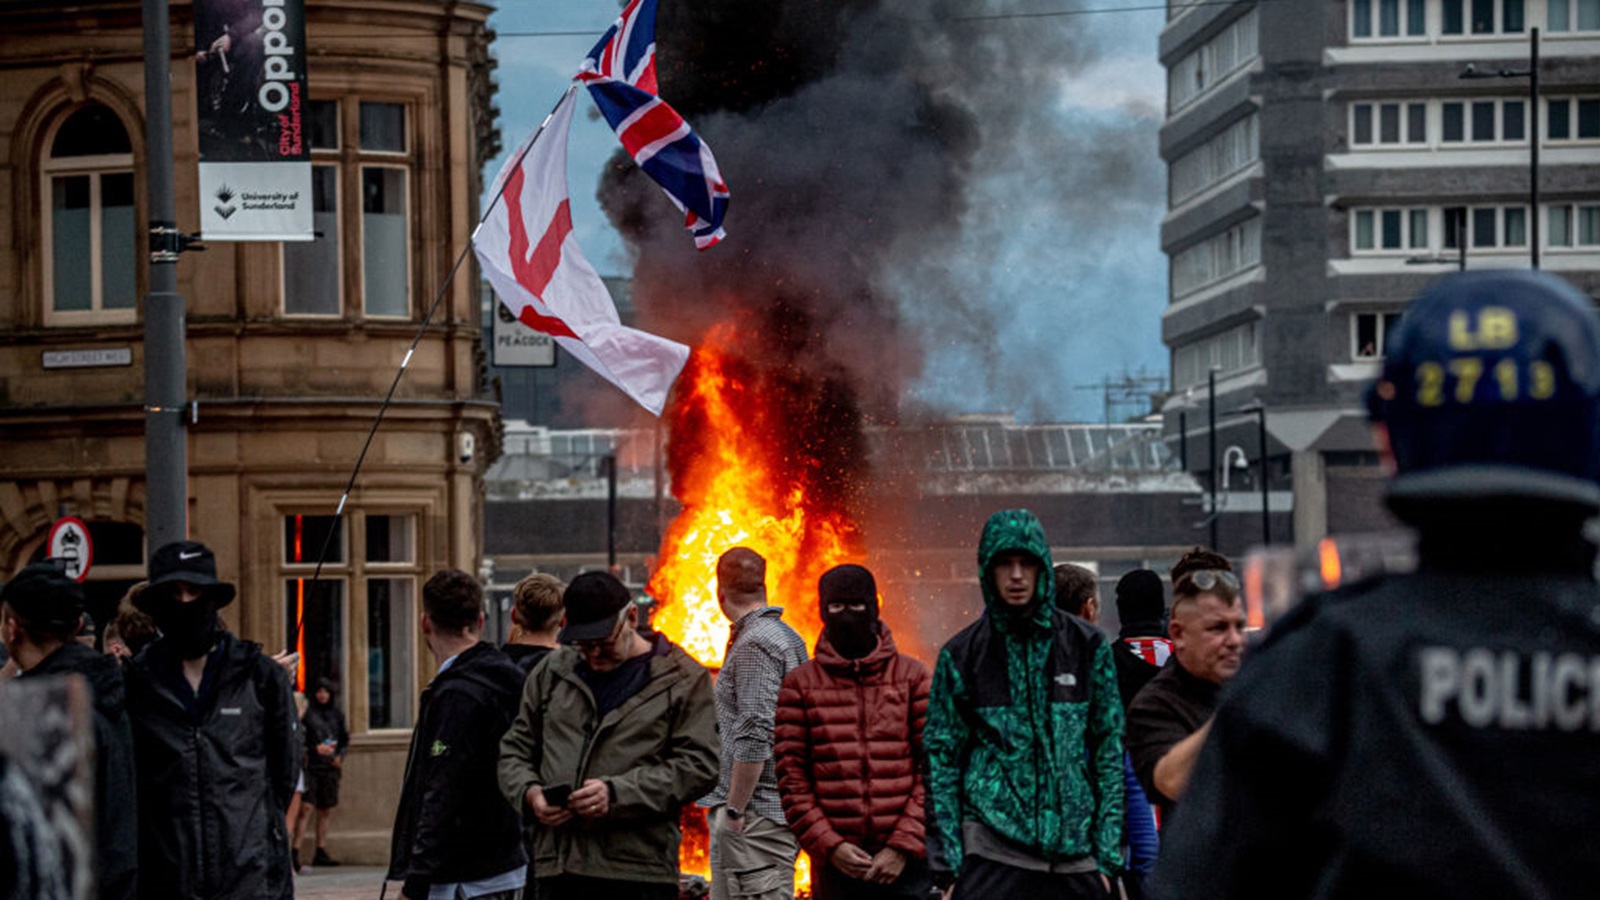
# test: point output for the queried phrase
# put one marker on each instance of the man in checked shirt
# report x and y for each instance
(752, 850)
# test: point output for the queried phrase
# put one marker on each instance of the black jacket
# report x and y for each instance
(526, 656)
(324, 723)
(216, 773)
(452, 825)
(1133, 672)
(116, 835)
(1426, 735)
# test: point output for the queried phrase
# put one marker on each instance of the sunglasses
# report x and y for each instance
(1208, 579)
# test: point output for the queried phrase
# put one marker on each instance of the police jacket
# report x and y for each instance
(849, 750)
(657, 751)
(116, 837)
(1426, 735)
(216, 771)
(451, 825)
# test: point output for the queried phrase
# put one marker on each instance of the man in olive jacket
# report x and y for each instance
(616, 733)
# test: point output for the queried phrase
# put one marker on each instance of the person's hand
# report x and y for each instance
(324, 750)
(886, 866)
(222, 44)
(851, 860)
(730, 823)
(338, 762)
(289, 660)
(549, 816)
(591, 800)
(1105, 882)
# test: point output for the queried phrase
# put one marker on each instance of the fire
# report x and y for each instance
(747, 473)
(742, 481)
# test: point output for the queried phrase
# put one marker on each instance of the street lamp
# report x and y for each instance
(1259, 409)
(1532, 74)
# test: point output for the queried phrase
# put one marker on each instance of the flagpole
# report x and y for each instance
(427, 319)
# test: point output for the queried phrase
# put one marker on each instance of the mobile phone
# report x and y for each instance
(557, 794)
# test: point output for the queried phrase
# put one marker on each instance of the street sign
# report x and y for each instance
(69, 542)
(515, 344)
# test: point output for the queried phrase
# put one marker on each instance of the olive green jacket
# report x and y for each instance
(657, 751)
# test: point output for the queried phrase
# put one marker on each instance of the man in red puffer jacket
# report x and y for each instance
(849, 750)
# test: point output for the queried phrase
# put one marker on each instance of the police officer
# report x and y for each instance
(1435, 734)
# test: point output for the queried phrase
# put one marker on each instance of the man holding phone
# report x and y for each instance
(617, 731)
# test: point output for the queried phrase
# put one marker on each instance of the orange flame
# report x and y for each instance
(744, 478)
(734, 494)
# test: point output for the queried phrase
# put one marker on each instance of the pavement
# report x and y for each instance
(344, 883)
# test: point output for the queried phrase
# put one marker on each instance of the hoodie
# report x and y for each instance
(1024, 732)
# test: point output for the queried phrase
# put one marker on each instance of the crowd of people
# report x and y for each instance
(1358, 751)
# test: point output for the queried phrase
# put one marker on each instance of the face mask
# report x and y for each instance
(853, 634)
(190, 628)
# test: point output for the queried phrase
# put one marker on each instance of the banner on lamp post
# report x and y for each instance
(250, 85)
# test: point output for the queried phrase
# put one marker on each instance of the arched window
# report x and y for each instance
(90, 233)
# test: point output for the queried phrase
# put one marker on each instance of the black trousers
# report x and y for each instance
(828, 883)
(985, 879)
(579, 887)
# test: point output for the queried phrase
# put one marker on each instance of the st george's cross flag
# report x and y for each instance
(531, 256)
(620, 73)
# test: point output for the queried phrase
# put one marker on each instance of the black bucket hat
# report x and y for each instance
(190, 562)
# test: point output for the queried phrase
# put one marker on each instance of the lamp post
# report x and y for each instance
(1211, 460)
(1532, 74)
(1260, 411)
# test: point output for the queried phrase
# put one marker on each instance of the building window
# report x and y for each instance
(312, 274)
(1483, 122)
(1573, 119)
(1228, 352)
(1574, 15)
(1211, 63)
(315, 280)
(1388, 19)
(90, 257)
(1368, 333)
(1491, 227)
(375, 589)
(1235, 148)
(1216, 258)
(1572, 225)
(1389, 230)
(1388, 124)
(1479, 17)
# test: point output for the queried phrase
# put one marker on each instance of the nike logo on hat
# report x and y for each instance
(189, 555)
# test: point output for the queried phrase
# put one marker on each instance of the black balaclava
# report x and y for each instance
(853, 634)
(190, 629)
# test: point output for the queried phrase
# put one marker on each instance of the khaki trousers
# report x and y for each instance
(755, 864)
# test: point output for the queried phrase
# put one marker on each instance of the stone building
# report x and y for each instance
(290, 347)
(1325, 161)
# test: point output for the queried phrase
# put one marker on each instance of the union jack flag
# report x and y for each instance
(620, 73)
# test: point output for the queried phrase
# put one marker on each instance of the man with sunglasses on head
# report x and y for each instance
(1435, 733)
(616, 733)
(1170, 717)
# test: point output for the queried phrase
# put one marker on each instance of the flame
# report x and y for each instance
(740, 484)
(747, 474)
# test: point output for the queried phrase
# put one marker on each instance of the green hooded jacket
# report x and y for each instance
(1024, 731)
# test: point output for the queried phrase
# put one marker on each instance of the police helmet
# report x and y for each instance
(1491, 388)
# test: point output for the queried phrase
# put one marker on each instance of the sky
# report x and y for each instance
(1055, 267)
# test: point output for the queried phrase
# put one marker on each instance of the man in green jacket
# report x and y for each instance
(617, 731)
(1024, 737)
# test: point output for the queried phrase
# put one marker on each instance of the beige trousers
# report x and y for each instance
(755, 864)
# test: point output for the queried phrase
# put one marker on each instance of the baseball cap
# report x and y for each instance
(190, 562)
(592, 602)
(42, 593)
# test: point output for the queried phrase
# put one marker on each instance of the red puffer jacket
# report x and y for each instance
(849, 750)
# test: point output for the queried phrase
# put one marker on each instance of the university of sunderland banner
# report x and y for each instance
(250, 85)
